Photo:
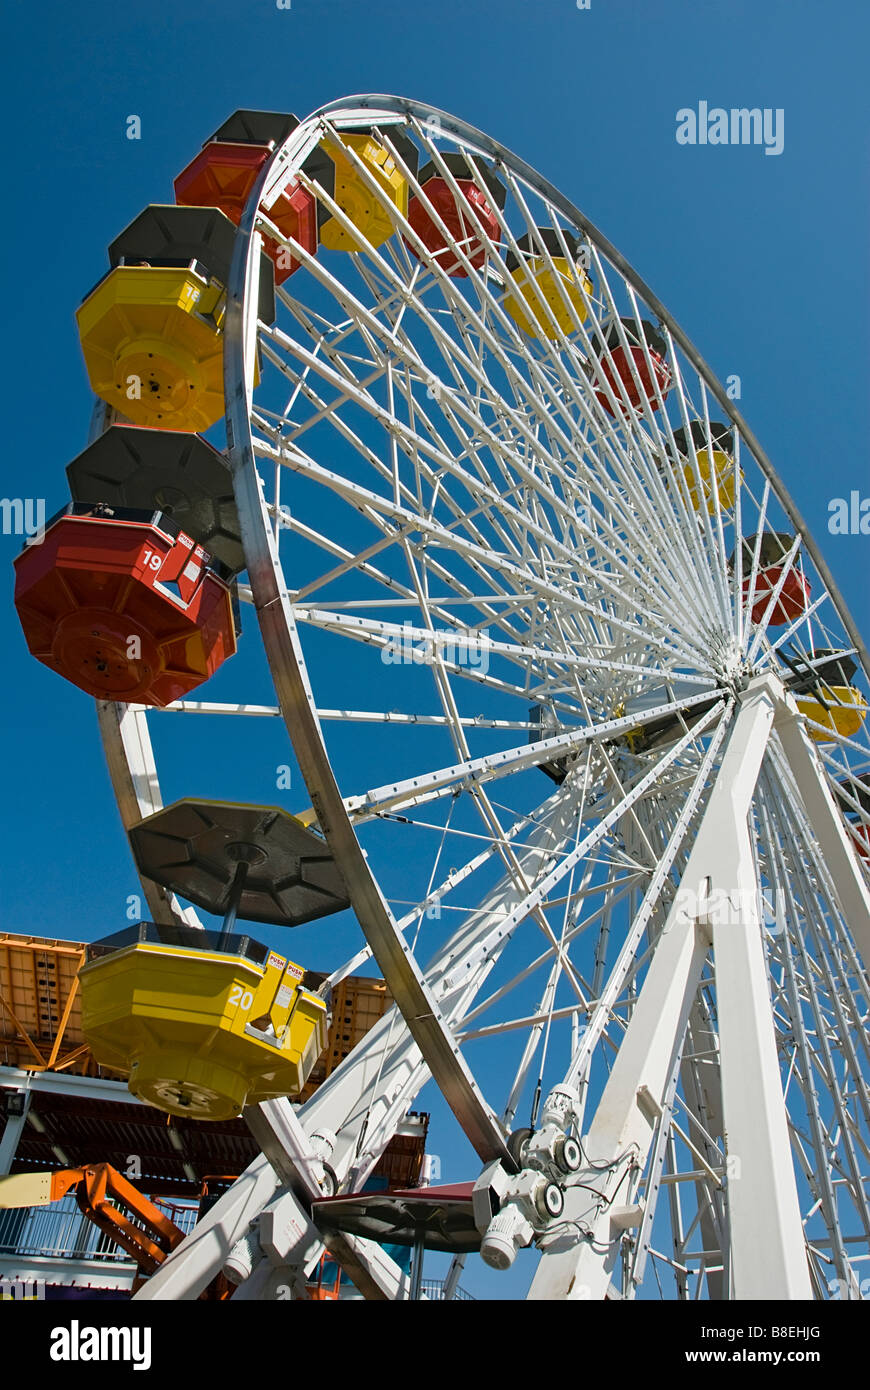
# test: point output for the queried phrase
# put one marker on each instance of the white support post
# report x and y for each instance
(451, 1283)
(13, 1131)
(768, 1252)
(617, 1147)
(624, 1124)
(191, 1265)
(827, 822)
(133, 772)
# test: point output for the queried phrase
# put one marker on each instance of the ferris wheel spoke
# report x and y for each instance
(710, 547)
(788, 561)
(487, 562)
(360, 563)
(659, 462)
(338, 715)
(378, 632)
(472, 1014)
(353, 1079)
(479, 796)
(456, 876)
(474, 483)
(515, 462)
(546, 843)
(466, 969)
(418, 789)
(769, 649)
(718, 549)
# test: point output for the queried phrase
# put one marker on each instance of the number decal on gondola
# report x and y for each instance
(150, 560)
(243, 997)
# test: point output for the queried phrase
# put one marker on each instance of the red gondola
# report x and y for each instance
(222, 176)
(617, 366)
(124, 604)
(795, 593)
(226, 169)
(793, 596)
(454, 215)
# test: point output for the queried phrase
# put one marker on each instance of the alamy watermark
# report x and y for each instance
(77, 1343)
(16, 1288)
(728, 906)
(456, 646)
(713, 125)
(849, 516)
(23, 516)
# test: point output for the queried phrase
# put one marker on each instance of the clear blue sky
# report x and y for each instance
(763, 260)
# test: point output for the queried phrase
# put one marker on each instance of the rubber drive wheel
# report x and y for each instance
(515, 1143)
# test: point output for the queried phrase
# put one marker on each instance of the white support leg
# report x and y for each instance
(578, 1260)
(768, 1254)
(133, 772)
(193, 1264)
(624, 1123)
(280, 1181)
(840, 857)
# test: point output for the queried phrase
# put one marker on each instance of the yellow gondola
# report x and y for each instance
(844, 716)
(365, 210)
(725, 486)
(711, 479)
(200, 1032)
(153, 348)
(151, 329)
(534, 281)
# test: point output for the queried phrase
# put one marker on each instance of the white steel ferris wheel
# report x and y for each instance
(580, 714)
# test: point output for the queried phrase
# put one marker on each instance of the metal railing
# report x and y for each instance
(434, 1289)
(62, 1231)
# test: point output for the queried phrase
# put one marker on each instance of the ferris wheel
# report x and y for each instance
(580, 712)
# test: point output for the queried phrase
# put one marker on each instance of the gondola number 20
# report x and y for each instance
(243, 997)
